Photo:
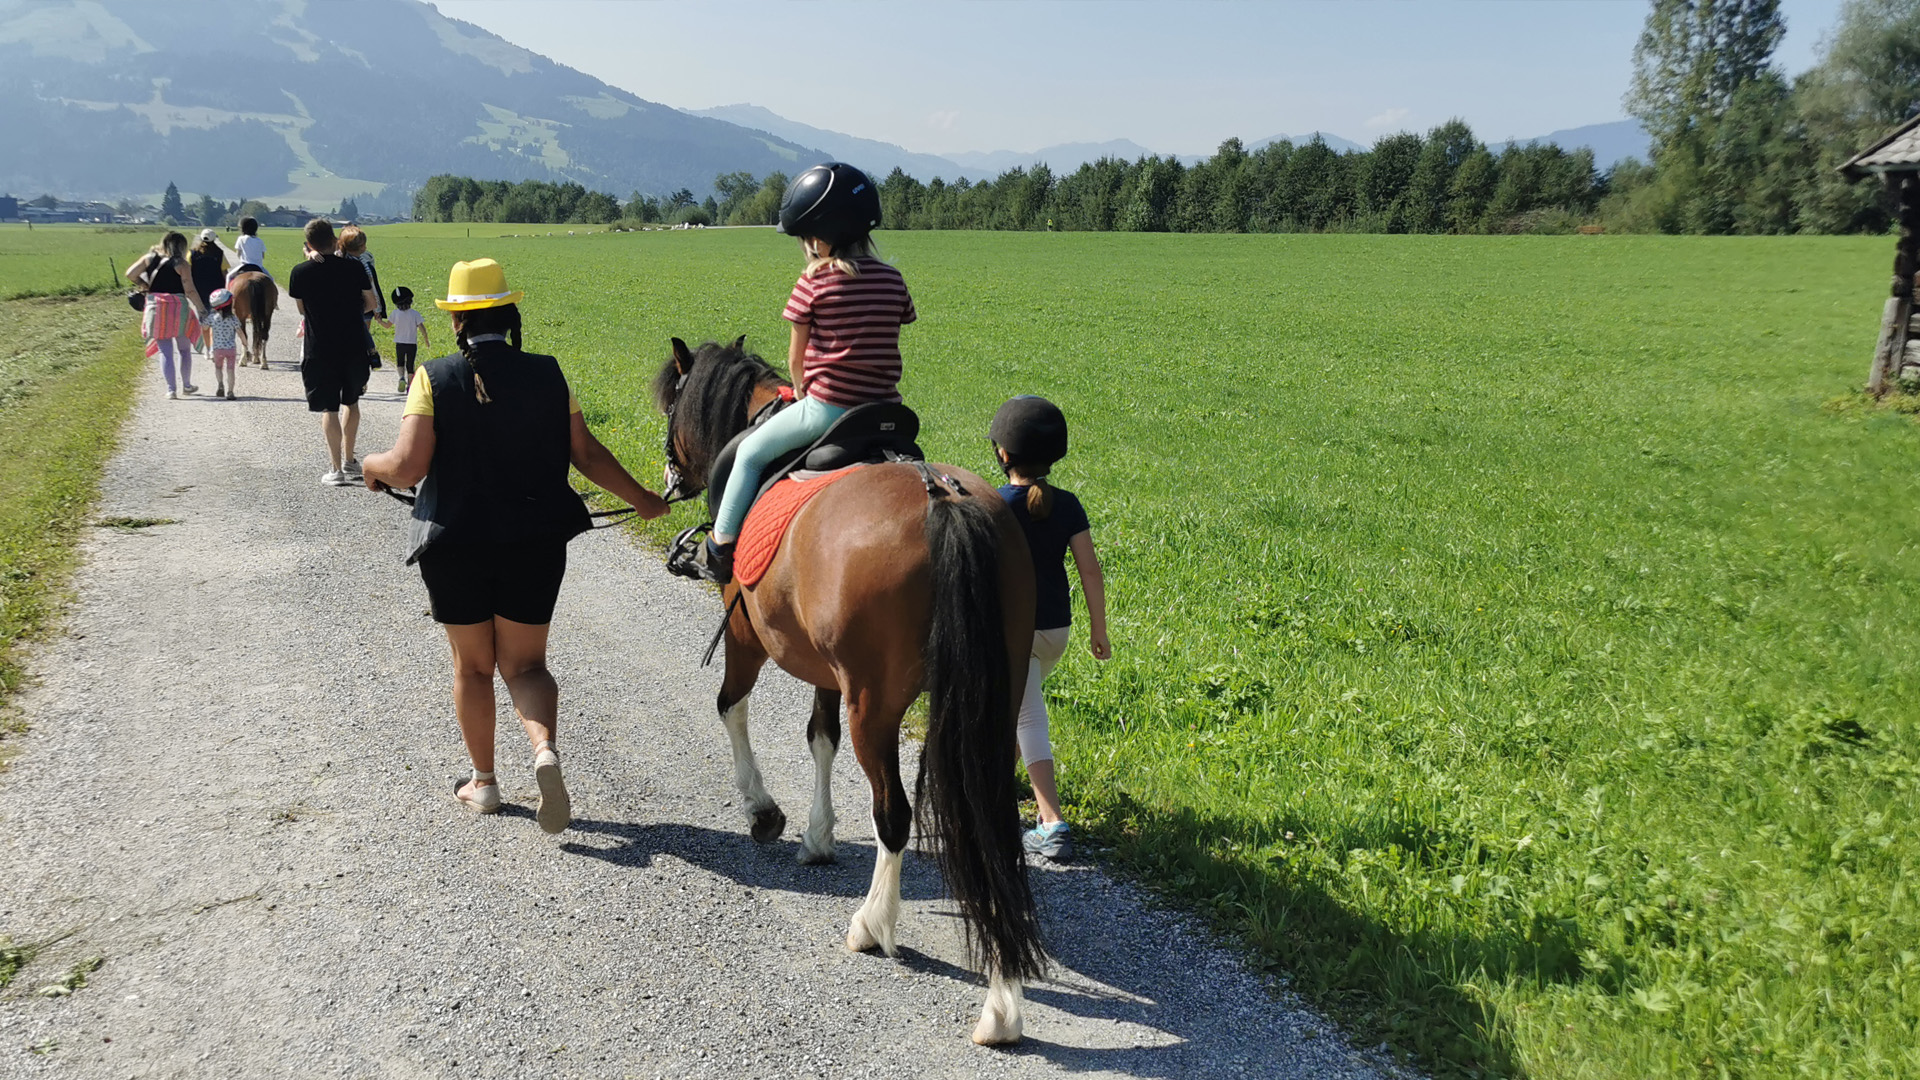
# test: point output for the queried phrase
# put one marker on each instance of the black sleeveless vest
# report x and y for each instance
(499, 472)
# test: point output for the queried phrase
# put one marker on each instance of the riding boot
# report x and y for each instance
(714, 561)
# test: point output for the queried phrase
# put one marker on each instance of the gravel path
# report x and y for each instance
(236, 790)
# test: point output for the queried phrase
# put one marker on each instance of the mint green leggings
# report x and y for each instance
(791, 428)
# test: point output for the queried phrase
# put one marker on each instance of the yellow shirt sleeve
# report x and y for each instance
(420, 396)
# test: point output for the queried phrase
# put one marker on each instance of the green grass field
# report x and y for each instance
(67, 370)
(1513, 636)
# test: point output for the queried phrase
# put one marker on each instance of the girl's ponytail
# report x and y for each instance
(1039, 499)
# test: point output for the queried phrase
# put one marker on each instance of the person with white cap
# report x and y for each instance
(208, 264)
(489, 433)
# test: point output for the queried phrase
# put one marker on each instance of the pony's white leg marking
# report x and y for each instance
(817, 845)
(877, 918)
(1000, 1021)
(746, 770)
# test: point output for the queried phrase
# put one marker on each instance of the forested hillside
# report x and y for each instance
(268, 98)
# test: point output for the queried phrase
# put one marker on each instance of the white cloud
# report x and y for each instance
(943, 119)
(1388, 118)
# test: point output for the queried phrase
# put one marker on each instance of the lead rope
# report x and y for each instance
(411, 496)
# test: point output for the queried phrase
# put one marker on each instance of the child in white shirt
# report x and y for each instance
(409, 333)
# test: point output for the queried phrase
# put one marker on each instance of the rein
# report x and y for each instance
(410, 496)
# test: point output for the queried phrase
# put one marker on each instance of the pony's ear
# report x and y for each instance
(682, 356)
(739, 343)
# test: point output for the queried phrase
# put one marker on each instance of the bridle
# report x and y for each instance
(676, 469)
(677, 488)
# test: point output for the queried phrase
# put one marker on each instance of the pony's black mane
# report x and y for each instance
(712, 407)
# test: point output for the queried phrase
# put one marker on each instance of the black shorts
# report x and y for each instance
(332, 382)
(472, 583)
(403, 355)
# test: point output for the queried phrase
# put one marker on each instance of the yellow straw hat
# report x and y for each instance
(475, 285)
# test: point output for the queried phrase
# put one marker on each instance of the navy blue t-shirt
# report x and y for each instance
(1048, 541)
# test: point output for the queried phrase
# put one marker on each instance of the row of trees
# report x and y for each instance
(207, 211)
(460, 198)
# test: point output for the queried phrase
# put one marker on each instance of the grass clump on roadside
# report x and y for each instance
(67, 371)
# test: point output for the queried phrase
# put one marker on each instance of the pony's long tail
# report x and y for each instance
(965, 796)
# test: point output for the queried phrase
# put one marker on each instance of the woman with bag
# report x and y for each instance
(173, 305)
(488, 433)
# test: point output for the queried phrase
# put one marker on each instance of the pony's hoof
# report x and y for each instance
(994, 1032)
(815, 856)
(858, 940)
(861, 938)
(768, 824)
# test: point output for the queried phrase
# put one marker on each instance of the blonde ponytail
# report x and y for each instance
(1039, 499)
(840, 258)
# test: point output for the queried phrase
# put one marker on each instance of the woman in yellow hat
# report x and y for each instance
(488, 434)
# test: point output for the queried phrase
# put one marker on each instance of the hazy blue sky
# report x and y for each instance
(1175, 77)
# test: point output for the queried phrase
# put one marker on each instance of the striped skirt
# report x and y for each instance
(168, 316)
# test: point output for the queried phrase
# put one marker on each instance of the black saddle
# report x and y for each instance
(867, 434)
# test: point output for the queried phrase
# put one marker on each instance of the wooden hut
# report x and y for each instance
(1895, 159)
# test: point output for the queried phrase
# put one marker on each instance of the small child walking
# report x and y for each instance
(847, 310)
(223, 334)
(1029, 435)
(409, 333)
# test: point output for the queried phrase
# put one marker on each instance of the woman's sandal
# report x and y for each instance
(485, 796)
(556, 808)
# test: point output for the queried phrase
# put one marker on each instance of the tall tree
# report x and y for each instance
(1867, 81)
(171, 210)
(208, 211)
(1692, 56)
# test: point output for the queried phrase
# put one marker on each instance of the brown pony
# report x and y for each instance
(890, 582)
(254, 298)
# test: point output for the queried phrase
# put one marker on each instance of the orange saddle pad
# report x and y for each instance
(768, 520)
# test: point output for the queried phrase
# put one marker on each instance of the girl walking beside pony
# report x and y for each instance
(847, 310)
(1029, 435)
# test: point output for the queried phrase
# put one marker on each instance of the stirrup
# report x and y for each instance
(696, 558)
(685, 547)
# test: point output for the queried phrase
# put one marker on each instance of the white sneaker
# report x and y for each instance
(172, 396)
(189, 389)
(352, 468)
(335, 478)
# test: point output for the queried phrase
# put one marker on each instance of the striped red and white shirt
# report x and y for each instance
(853, 344)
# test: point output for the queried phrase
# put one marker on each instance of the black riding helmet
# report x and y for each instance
(834, 202)
(1032, 430)
(402, 297)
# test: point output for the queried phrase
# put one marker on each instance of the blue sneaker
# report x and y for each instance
(1049, 841)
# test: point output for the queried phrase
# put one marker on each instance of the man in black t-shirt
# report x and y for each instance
(332, 293)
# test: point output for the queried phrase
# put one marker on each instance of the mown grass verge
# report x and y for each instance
(68, 366)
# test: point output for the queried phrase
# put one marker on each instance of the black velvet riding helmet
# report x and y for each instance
(834, 202)
(1032, 430)
(402, 297)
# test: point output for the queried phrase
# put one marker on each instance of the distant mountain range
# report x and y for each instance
(306, 103)
(1609, 142)
(297, 101)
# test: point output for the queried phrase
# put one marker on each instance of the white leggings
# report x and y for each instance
(1048, 647)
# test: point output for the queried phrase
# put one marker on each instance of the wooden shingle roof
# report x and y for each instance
(1898, 151)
